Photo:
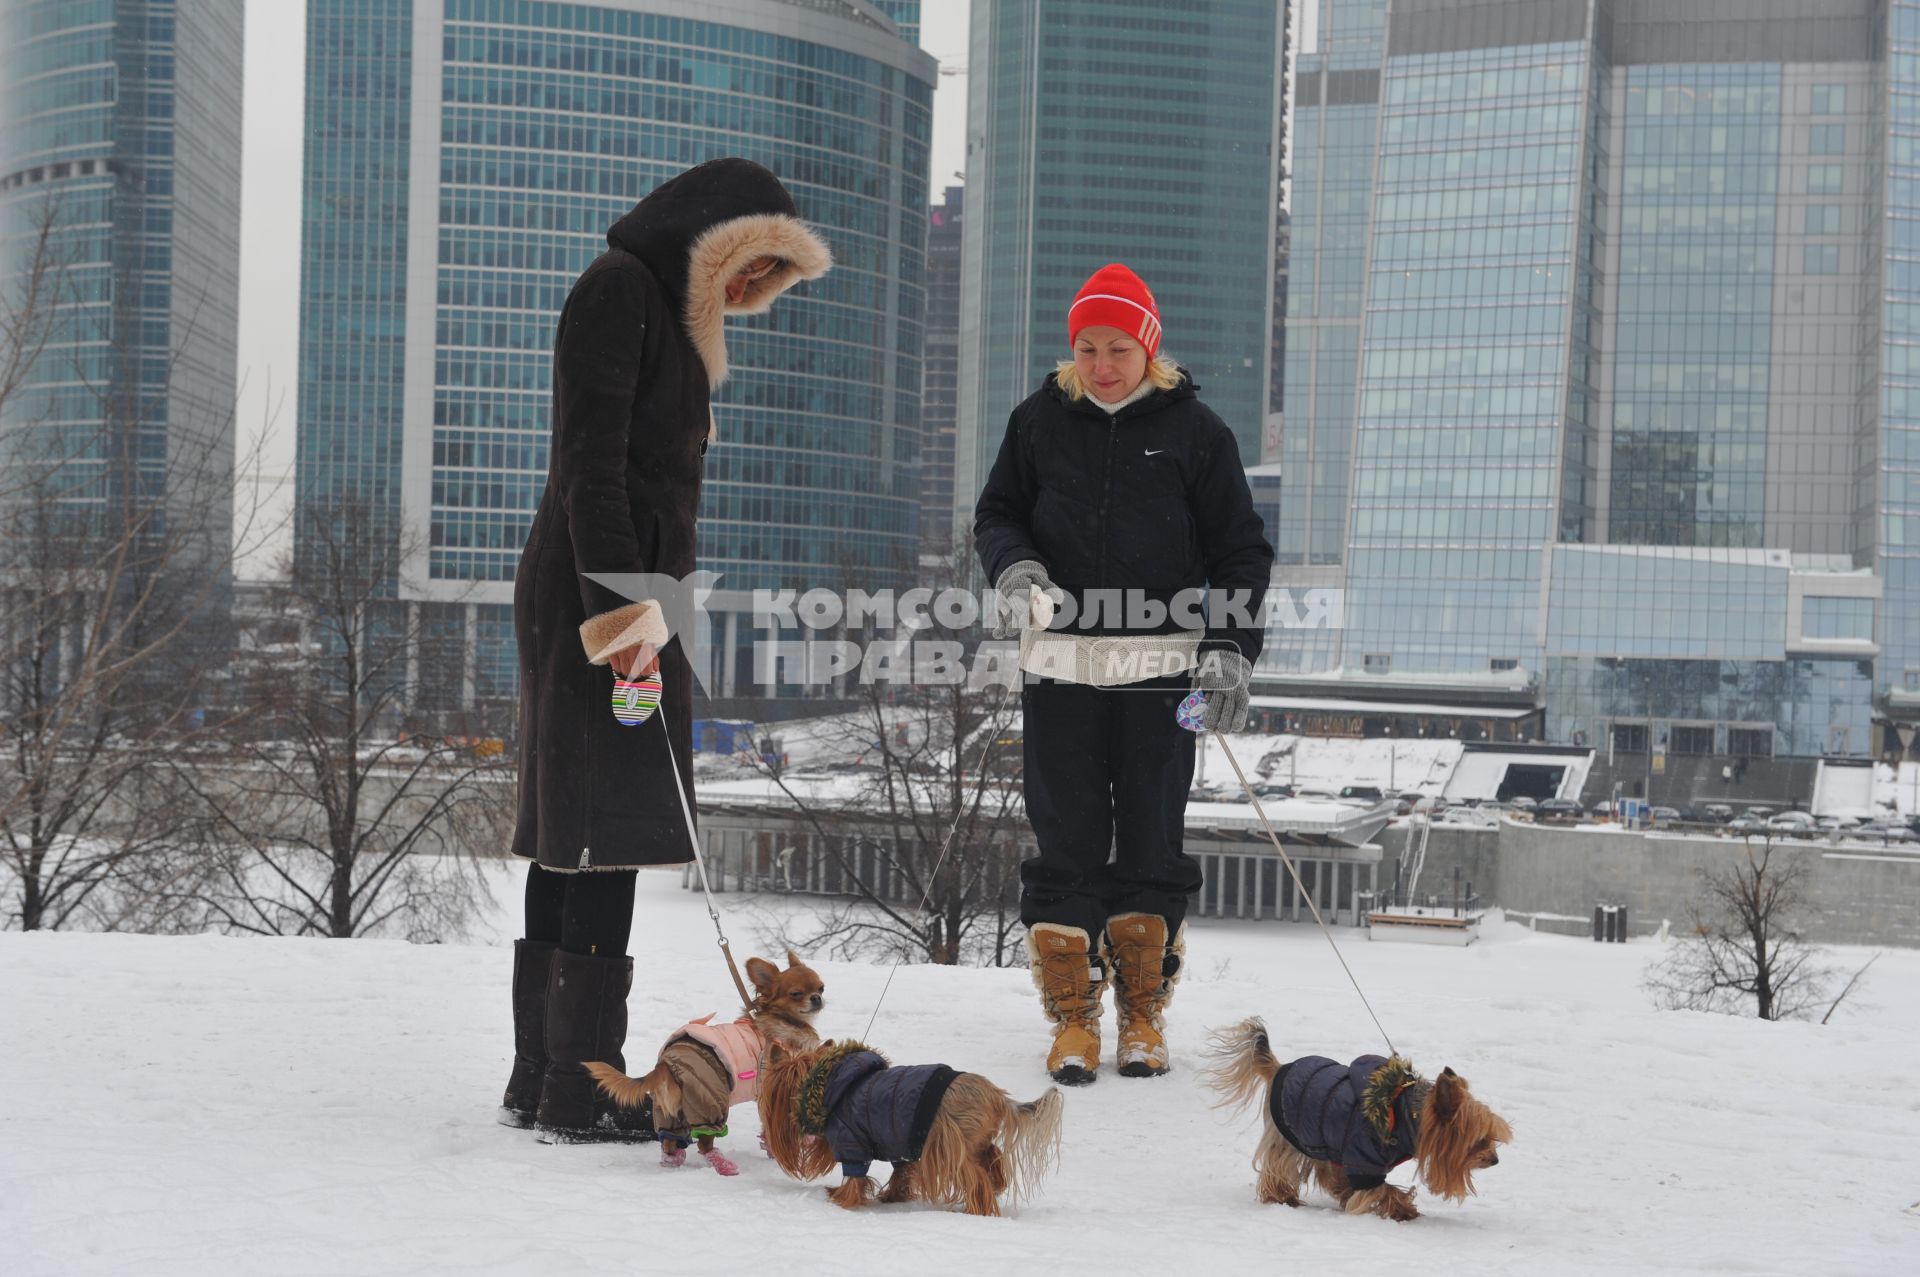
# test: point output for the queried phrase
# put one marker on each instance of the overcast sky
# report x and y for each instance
(270, 203)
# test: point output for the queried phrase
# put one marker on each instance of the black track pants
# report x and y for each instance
(1106, 772)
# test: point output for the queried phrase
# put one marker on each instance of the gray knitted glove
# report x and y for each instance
(1012, 597)
(1227, 679)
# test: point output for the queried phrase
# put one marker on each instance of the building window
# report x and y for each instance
(1837, 619)
(1829, 99)
(1750, 742)
(1827, 139)
(1823, 179)
(1630, 738)
(1503, 663)
(1823, 219)
(1376, 662)
(1692, 740)
(1823, 259)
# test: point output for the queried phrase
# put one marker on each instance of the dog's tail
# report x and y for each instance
(627, 1092)
(1030, 1140)
(1243, 1063)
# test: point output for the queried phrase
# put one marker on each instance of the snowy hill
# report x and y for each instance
(213, 1106)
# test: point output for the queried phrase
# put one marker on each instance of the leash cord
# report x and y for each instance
(700, 863)
(959, 815)
(1301, 887)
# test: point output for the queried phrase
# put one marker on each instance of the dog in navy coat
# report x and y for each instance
(951, 1137)
(1345, 1126)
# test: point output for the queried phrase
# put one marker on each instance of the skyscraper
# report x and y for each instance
(120, 132)
(1597, 361)
(464, 160)
(1117, 131)
(940, 400)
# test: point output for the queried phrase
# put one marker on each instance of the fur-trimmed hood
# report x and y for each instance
(696, 231)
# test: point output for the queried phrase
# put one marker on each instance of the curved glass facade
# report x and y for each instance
(120, 130)
(549, 132)
(436, 265)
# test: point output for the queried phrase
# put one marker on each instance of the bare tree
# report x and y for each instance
(113, 571)
(921, 828)
(338, 819)
(1746, 949)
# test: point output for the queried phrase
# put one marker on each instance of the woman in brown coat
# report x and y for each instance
(640, 348)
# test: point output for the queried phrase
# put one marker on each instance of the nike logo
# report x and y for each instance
(1154, 452)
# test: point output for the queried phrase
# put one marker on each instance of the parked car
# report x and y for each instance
(1272, 791)
(1758, 813)
(1317, 795)
(1719, 813)
(1432, 805)
(1881, 831)
(1206, 792)
(1367, 793)
(1834, 824)
(1523, 803)
(1791, 820)
(1666, 815)
(1558, 809)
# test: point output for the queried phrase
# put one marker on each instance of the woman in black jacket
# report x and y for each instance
(1120, 498)
(639, 349)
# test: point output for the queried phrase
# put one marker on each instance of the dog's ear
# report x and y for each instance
(1448, 1091)
(763, 974)
(776, 1051)
(793, 960)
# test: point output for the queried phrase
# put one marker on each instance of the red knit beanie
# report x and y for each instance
(1115, 297)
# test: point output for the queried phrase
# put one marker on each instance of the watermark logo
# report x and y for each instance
(925, 636)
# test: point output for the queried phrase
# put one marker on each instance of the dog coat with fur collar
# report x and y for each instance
(1361, 1115)
(737, 1044)
(878, 1112)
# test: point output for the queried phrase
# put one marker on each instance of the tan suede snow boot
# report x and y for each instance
(1146, 967)
(1071, 975)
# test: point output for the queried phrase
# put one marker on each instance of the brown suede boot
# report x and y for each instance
(1071, 975)
(1146, 966)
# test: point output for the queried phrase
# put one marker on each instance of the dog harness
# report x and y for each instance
(1363, 1116)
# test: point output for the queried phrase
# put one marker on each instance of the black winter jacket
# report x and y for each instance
(1152, 499)
(1320, 1107)
(877, 1112)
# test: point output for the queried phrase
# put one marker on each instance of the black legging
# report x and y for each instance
(586, 913)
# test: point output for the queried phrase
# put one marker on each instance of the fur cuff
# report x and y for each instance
(720, 254)
(622, 628)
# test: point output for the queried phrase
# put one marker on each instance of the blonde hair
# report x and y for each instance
(1161, 371)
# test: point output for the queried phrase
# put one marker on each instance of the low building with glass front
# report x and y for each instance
(1600, 367)
(464, 160)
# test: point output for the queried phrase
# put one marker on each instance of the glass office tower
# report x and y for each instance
(1119, 131)
(1595, 350)
(464, 160)
(120, 133)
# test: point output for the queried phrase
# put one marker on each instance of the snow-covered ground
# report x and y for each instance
(214, 1106)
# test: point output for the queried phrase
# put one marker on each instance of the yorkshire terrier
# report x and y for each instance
(705, 1068)
(1346, 1125)
(953, 1138)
